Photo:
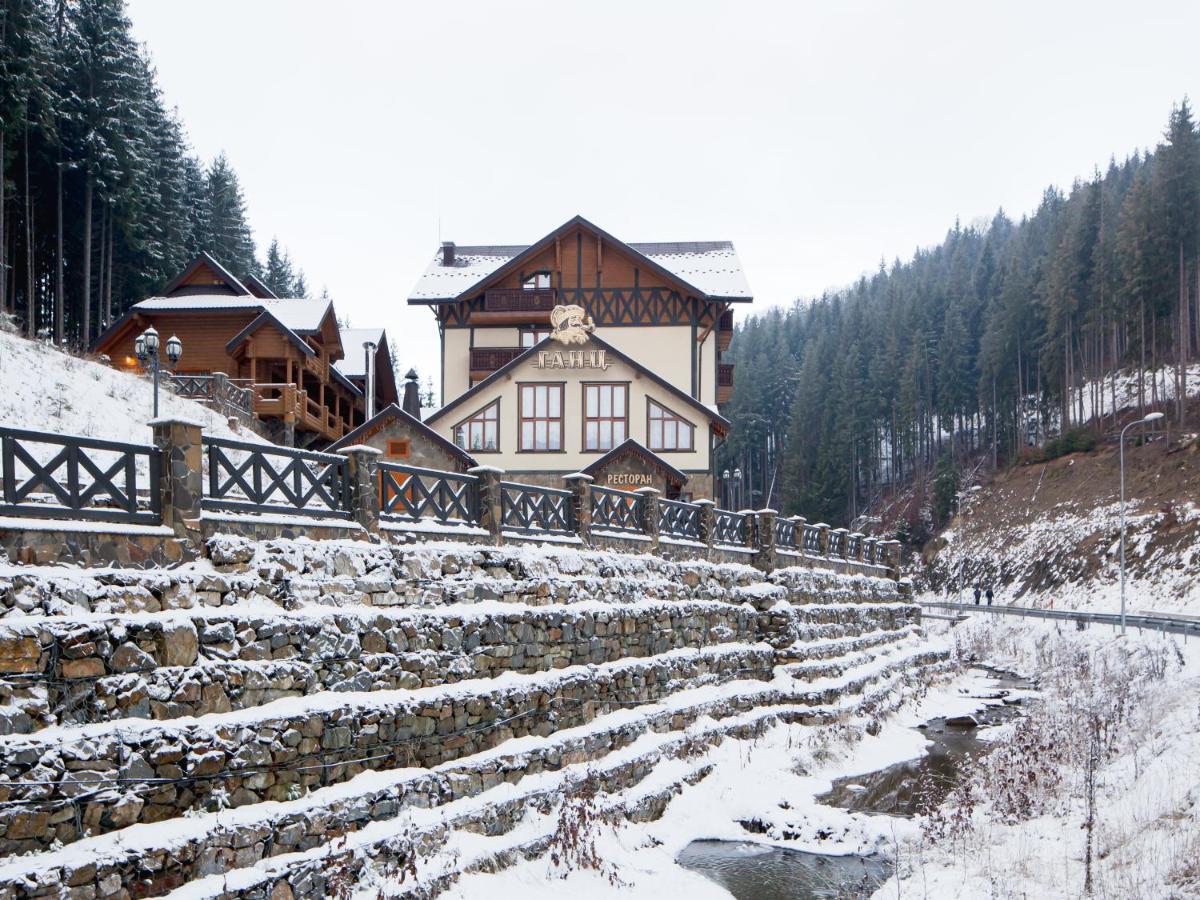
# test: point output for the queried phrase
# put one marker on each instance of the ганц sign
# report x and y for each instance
(572, 359)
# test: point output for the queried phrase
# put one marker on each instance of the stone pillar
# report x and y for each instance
(220, 393)
(490, 514)
(649, 497)
(581, 486)
(844, 553)
(765, 557)
(181, 486)
(362, 476)
(822, 538)
(800, 523)
(708, 523)
(891, 555)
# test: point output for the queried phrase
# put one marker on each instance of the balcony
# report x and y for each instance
(486, 360)
(516, 306)
(725, 330)
(724, 382)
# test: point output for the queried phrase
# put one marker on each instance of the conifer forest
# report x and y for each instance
(1004, 334)
(101, 199)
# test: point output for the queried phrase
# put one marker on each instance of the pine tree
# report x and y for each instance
(225, 233)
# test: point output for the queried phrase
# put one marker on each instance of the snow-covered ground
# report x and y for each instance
(1121, 714)
(44, 389)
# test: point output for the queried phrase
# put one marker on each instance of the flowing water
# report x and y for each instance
(752, 871)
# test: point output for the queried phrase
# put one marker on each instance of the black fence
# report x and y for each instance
(58, 476)
(528, 509)
(679, 520)
(195, 387)
(811, 542)
(412, 493)
(263, 478)
(787, 533)
(731, 528)
(618, 510)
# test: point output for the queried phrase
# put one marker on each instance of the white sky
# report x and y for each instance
(817, 136)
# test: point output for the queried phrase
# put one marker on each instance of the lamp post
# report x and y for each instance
(737, 486)
(147, 345)
(1150, 417)
(725, 488)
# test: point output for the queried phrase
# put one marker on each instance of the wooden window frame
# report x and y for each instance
(583, 446)
(650, 402)
(466, 419)
(535, 331)
(562, 410)
(396, 454)
(533, 276)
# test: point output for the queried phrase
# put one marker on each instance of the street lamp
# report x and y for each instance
(726, 488)
(737, 483)
(1150, 417)
(146, 345)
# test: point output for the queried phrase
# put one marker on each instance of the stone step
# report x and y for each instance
(86, 669)
(210, 843)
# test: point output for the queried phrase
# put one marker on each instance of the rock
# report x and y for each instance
(125, 811)
(963, 721)
(227, 550)
(131, 658)
(178, 644)
(19, 654)
(217, 633)
(90, 667)
(213, 699)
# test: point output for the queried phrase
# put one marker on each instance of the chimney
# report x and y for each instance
(369, 368)
(447, 253)
(411, 403)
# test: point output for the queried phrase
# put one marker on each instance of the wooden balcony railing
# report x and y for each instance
(725, 375)
(510, 300)
(725, 330)
(489, 359)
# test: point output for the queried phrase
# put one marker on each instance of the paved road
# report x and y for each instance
(1188, 626)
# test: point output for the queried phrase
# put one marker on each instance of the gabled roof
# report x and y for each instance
(719, 421)
(710, 269)
(630, 446)
(392, 411)
(258, 288)
(204, 261)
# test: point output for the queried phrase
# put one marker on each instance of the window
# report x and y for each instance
(398, 449)
(667, 431)
(531, 337)
(541, 418)
(605, 415)
(537, 281)
(480, 433)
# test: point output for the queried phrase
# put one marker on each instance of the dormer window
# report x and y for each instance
(538, 281)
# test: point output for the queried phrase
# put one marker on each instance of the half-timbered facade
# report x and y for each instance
(299, 372)
(660, 315)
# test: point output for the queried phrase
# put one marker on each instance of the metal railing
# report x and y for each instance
(853, 543)
(194, 387)
(59, 476)
(409, 492)
(528, 508)
(811, 540)
(265, 478)
(787, 533)
(837, 543)
(678, 519)
(614, 510)
(730, 527)
(1163, 624)
(238, 394)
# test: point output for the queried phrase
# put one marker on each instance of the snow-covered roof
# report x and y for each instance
(298, 315)
(355, 363)
(710, 266)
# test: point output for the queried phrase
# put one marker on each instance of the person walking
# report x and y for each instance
(977, 593)
(989, 595)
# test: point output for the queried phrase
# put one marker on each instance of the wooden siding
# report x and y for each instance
(204, 336)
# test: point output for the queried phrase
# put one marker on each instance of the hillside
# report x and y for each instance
(1047, 534)
(45, 389)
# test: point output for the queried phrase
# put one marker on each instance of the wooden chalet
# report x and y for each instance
(306, 377)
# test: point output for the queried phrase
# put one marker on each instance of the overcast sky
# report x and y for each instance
(817, 136)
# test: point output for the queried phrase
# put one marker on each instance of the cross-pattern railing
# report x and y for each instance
(409, 492)
(787, 532)
(836, 543)
(730, 527)
(58, 476)
(196, 387)
(812, 540)
(264, 478)
(852, 545)
(529, 508)
(617, 510)
(238, 396)
(678, 519)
